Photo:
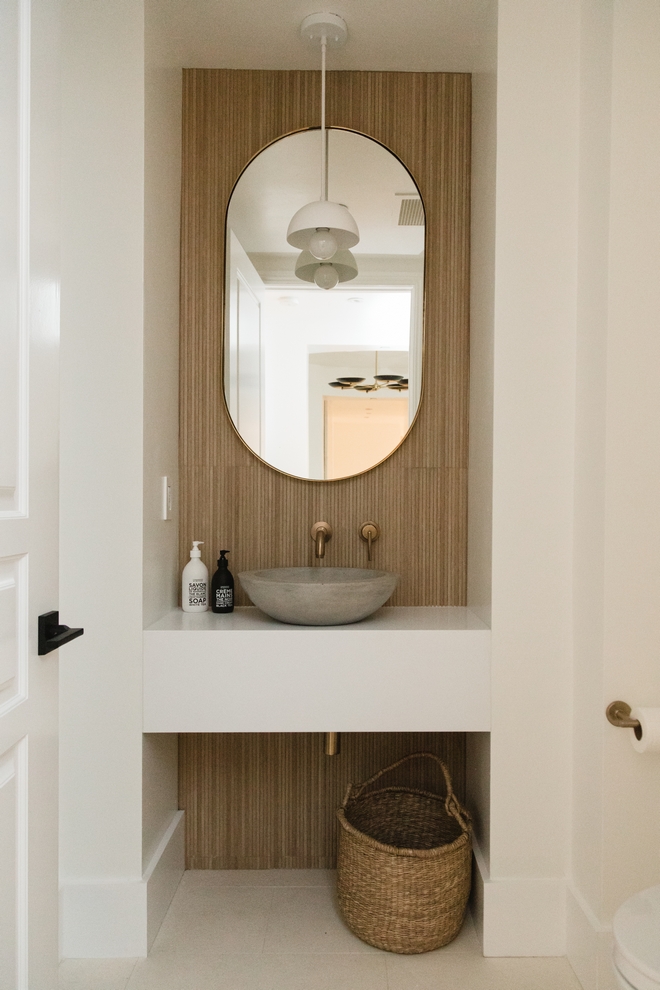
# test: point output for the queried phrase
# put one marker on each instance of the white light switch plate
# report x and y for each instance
(166, 499)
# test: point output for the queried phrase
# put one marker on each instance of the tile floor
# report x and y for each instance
(280, 930)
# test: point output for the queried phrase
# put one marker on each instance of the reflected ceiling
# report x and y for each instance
(370, 183)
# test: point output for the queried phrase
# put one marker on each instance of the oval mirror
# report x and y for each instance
(324, 383)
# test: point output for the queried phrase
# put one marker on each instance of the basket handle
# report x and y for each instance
(452, 806)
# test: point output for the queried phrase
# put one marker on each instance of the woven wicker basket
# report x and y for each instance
(404, 864)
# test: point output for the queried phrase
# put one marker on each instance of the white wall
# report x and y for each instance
(616, 793)
(119, 436)
(106, 357)
(162, 198)
(101, 447)
(534, 343)
(480, 472)
(160, 789)
(589, 725)
(482, 300)
(632, 516)
(576, 427)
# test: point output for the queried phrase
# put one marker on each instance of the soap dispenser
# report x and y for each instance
(195, 582)
(222, 586)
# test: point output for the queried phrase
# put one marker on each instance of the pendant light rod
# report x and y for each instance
(323, 230)
(324, 147)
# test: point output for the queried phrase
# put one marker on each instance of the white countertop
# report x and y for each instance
(422, 669)
(251, 618)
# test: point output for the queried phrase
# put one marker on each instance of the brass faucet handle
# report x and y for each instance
(369, 532)
(321, 532)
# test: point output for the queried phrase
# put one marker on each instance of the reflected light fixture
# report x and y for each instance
(396, 382)
(324, 229)
(309, 269)
(326, 276)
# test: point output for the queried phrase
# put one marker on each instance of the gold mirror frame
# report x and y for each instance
(247, 446)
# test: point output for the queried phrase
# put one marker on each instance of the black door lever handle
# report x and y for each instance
(52, 635)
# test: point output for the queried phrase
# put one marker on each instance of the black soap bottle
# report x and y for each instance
(222, 587)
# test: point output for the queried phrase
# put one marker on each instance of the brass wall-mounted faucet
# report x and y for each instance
(369, 532)
(321, 532)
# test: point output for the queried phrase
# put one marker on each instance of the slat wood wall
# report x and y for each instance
(228, 498)
(268, 800)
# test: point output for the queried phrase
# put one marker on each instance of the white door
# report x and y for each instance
(29, 328)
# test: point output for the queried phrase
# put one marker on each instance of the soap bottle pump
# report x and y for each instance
(195, 582)
(222, 586)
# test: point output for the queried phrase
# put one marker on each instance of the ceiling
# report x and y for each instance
(386, 35)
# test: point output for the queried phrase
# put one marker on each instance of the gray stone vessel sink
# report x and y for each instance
(319, 596)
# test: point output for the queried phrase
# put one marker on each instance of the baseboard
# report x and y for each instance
(163, 874)
(519, 917)
(120, 918)
(589, 944)
(103, 920)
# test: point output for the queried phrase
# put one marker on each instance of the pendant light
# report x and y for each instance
(323, 229)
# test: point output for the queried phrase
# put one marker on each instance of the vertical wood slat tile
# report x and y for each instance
(419, 496)
(268, 800)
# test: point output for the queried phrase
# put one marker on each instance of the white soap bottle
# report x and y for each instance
(195, 582)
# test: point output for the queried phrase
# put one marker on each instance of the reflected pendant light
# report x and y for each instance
(396, 382)
(324, 229)
(343, 265)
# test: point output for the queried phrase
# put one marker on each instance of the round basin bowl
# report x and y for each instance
(318, 596)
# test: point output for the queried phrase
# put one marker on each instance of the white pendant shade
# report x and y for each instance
(323, 215)
(343, 263)
(323, 230)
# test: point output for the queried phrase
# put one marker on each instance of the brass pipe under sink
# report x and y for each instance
(331, 743)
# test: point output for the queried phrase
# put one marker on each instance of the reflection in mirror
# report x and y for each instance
(324, 384)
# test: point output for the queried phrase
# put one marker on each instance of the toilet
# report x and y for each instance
(636, 930)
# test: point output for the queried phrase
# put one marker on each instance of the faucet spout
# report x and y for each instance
(321, 533)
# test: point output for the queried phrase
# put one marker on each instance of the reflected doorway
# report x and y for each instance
(360, 432)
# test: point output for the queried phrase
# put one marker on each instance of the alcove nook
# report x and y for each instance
(281, 788)
(283, 784)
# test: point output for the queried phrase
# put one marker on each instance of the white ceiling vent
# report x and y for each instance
(411, 212)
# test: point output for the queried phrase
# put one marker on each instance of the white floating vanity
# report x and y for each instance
(422, 669)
